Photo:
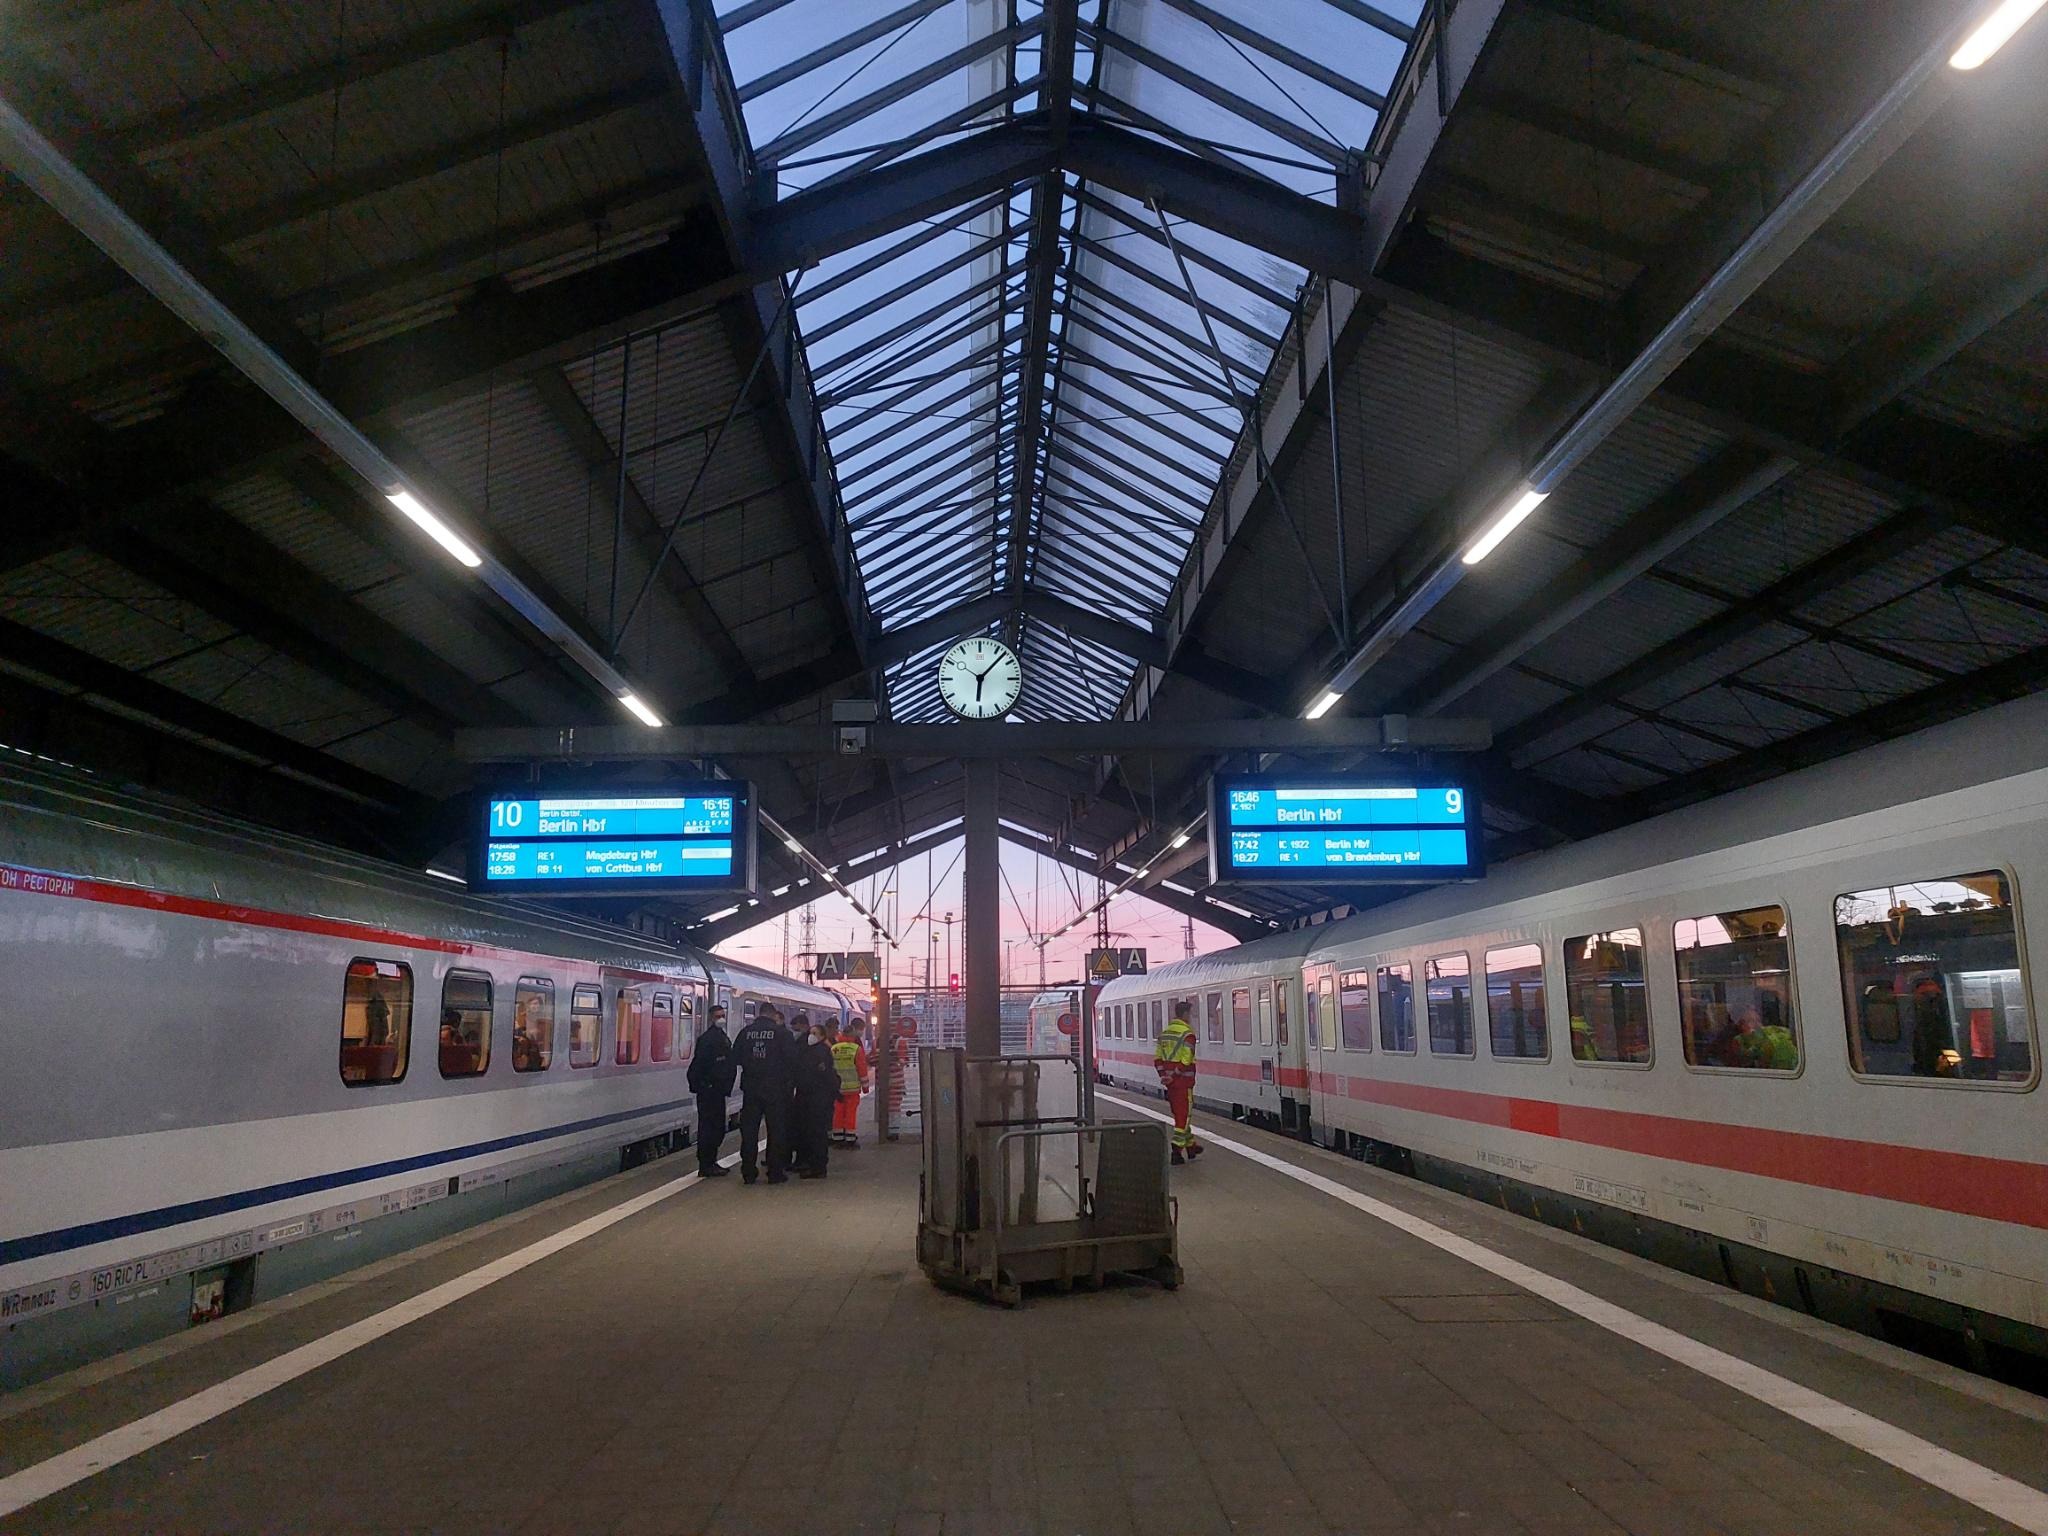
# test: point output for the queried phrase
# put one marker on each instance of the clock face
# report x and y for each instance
(980, 678)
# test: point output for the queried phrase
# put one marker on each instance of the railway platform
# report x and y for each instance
(1352, 1352)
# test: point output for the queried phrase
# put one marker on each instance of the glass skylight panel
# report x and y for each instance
(916, 339)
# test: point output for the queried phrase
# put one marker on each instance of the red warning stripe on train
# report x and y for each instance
(37, 882)
(1994, 1188)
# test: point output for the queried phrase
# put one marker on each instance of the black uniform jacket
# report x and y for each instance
(766, 1057)
(817, 1074)
(712, 1067)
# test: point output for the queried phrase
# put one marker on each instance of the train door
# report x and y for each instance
(689, 1019)
(1265, 1051)
(1290, 1050)
(1319, 1031)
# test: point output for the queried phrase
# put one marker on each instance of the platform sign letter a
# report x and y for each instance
(1131, 962)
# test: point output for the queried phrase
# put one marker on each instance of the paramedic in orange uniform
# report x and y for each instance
(1174, 1060)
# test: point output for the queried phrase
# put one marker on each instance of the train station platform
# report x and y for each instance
(1352, 1352)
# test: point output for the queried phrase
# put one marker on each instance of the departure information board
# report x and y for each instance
(648, 839)
(1343, 831)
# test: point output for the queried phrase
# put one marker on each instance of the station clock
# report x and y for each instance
(980, 678)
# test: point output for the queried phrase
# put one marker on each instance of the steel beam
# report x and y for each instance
(1890, 539)
(1042, 265)
(809, 888)
(981, 903)
(164, 134)
(971, 739)
(70, 667)
(1200, 908)
(2014, 677)
(978, 613)
(1703, 498)
(607, 475)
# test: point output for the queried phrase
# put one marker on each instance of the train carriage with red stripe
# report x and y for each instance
(238, 1059)
(1246, 1006)
(1788, 1038)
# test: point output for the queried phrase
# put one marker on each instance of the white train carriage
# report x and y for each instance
(1246, 1006)
(742, 989)
(224, 1044)
(1786, 1038)
(1056, 1022)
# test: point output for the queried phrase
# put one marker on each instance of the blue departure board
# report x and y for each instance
(1342, 831)
(615, 841)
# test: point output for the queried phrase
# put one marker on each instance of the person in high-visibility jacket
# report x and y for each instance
(1174, 1060)
(851, 1058)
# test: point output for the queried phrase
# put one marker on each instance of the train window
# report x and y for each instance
(1397, 1007)
(661, 1037)
(533, 1024)
(1326, 1028)
(376, 1021)
(629, 1023)
(1265, 1013)
(1280, 1011)
(1931, 979)
(686, 1040)
(465, 1024)
(1515, 1016)
(1447, 993)
(1215, 1012)
(1610, 1009)
(586, 1026)
(1355, 999)
(1241, 1017)
(1158, 1019)
(1735, 990)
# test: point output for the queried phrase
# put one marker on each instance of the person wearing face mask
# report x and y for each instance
(766, 1061)
(817, 1092)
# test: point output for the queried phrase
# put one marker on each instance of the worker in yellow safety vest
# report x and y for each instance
(1174, 1061)
(850, 1059)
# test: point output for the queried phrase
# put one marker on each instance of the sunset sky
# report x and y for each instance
(1038, 895)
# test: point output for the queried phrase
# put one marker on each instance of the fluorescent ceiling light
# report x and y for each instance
(451, 879)
(1329, 701)
(792, 845)
(641, 712)
(436, 530)
(1518, 509)
(1141, 874)
(1180, 840)
(1994, 32)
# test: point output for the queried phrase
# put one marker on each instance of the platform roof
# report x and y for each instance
(910, 320)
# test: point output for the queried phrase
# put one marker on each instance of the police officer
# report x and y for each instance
(712, 1070)
(1174, 1060)
(817, 1091)
(767, 1062)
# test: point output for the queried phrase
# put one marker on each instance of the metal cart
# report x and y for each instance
(1019, 1188)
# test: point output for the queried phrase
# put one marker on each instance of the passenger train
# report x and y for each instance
(1787, 1038)
(231, 1056)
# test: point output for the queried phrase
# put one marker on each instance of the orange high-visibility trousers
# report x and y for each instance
(1180, 1098)
(846, 1114)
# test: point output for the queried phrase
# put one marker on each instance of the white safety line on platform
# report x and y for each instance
(34, 1483)
(1993, 1492)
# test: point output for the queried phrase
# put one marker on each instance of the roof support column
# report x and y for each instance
(981, 896)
